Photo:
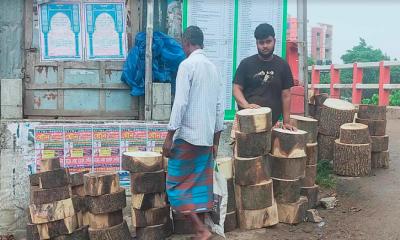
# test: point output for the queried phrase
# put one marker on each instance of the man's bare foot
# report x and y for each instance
(204, 234)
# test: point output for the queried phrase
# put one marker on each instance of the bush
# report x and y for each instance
(394, 99)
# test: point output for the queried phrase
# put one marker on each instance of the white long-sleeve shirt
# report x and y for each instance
(198, 110)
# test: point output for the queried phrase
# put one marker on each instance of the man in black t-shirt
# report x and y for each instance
(264, 79)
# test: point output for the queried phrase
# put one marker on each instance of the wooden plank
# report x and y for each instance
(100, 183)
(106, 220)
(149, 182)
(53, 229)
(76, 179)
(42, 196)
(120, 231)
(145, 201)
(54, 179)
(107, 203)
(49, 212)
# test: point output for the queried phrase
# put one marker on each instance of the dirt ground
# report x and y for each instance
(368, 207)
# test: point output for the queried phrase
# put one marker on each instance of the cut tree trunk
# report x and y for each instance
(54, 229)
(50, 212)
(145, 201)
(255, 219)
(76, 179)
(312, 153)
(80, 203)
(380, 159)
(79, 190)
(79, 234)
(318, 111)
(230, 223)
(120, 231)
(149, 182)
(286, 191)
(100, 183)
(293, 213)
(142, 161)
(231, 205)
(287, 168)
(183, 225)
(354, 133)
(288, 144)
(312, 110)
(106, 220)
(260, 144)
(319, 99)
(151, 217)
(54, 179)
(375, 127)
(311, 175)
(49, 164)
(312, 195)
(42, 196)
(250, 171)
(310, 125)
(225, 166)
(254, 120)
(379, 143)
(335, 113)
(373, 112)
(325, 147)
(107, 203)
(253, 197)
(157, 232)
(352, 160)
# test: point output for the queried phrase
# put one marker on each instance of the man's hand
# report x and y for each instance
(289, 127)
(166, 150)
(252, 106)
(215, 151)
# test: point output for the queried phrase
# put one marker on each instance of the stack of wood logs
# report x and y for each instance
(352, 152)
(308, 187)
(287, 162)
(334, 113)
(52, 209)
(255, 203)
(150, 210)
(316, 104)
(105, 200)
(375, 117)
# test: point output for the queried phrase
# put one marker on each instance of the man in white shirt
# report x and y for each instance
(193, 132)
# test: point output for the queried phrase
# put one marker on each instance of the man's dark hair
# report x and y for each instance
(263, 31)
(194, 36)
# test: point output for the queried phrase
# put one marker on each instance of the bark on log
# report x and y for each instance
(76, 179)
(335, 113)
(49, 164)
(253, 197)
(354, 133)
(149, 182)
(312, 195)
(145, 201)
(260, 144)
(312, 153)
(120, 231)
(107, 203)
(53, 229)
(375, 127)
(380, 159)
(151, 217)
(293, 213)
(254, 120)
(287, 168)
(310, 125)
(225, 166)
(230, 223)
(250, 171)
(312, 108)
(231, 205)
(255, 219)
(319, 99)
(352, 160)
(379, 143)
(373, 112)
(318, 111)
(286, 191)
(80, 234)
(142, 161)
(50, 212)
(311, 175)
(42, 196)
(54, 179)
(79, 190)
(288, 144)
(106, 220)
(325, 147)
(157, 232)
(100, 183)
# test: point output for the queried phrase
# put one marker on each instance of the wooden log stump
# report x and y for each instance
(375, 127)
(310, 125)
(286, 191)
(380, 159)
(53, 229)
(50, 212)
(379, 143)
(105, 220)
(154, 216)
(318, 111)
(311, 175)
(230, 223)
(148, 182)
(142, 161)
(288, 144)
(312, 153)
(319, 99)
(325, 147)
(120, 231)
(311, 110)
(183, 225)
(293, 213)
(77, 179)
(253, 197)
(250, 171)
(373, 112)
(255, 219)
(79, 190)
(80, 234)
(157, 232)
(100, 183)
(42, 196)
(107, 203)
(54, 179)
(354, 133)
(287, 168)
(225, 166)
(352, 160)
(145, 201)
(335, 113)
(254, 120)
(312, 195)
(260, 144)
(49, 164)
(231, 205)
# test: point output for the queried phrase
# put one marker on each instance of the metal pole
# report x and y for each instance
(302, 46)
(149, 63)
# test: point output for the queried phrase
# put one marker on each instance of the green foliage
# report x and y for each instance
(394, 98)
(325, 177)
(374, 100)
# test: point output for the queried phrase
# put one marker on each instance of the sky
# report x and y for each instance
(377, 21)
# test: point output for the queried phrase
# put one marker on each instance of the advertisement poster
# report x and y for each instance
(106, 148)
(156, 134)
(133, 137)
(78, 148)
(49, 143)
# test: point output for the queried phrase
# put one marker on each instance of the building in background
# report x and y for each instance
(321, 43)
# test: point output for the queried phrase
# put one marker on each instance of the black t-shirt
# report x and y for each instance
(263, 82)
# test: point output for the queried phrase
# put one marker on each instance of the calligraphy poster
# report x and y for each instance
(133, 137)
(106, 148)
(78, 148)
(49, 143)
